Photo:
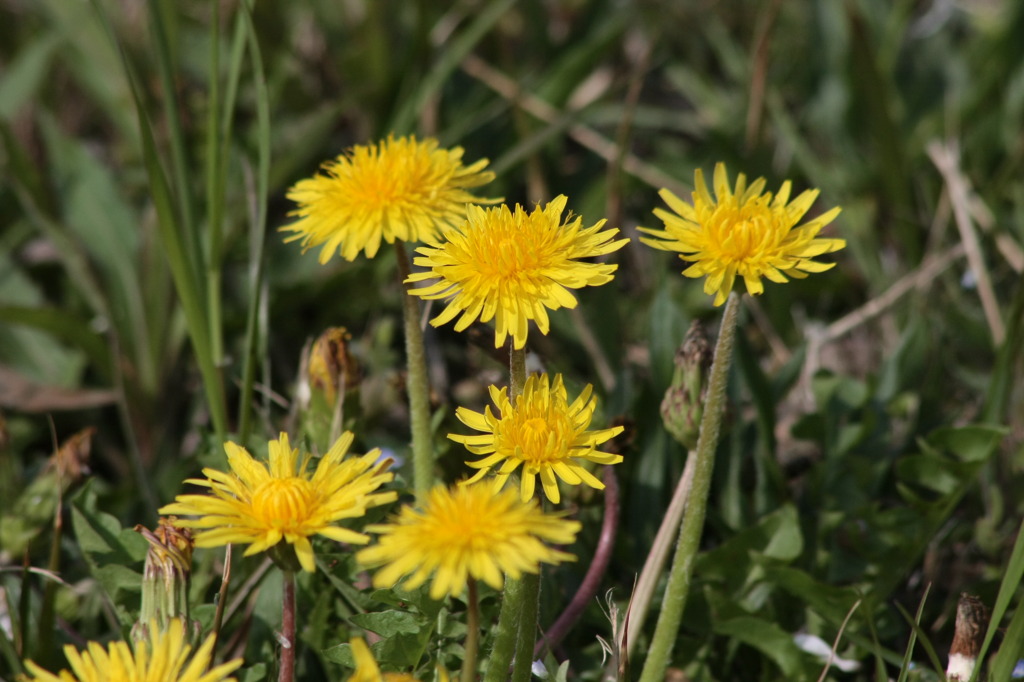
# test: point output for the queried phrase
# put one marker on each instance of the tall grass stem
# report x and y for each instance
(258, 218)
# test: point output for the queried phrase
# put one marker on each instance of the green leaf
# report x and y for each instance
(253, 673)
(667, 327)
(768, 638)
(420, 598)
(928, 471)
(26, 73)
(776, 536)
(974, 443)
(109, 551)
(99, 533)
(116, 579)
(32, 351)
(831, 602)
(341, 653)
(63, 325)
(402, 651)
(389, 623)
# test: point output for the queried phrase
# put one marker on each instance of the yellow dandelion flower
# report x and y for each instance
(542, 432)
(743, 231)
(367, 669)
(164, 657)
(466, 531)
(512, 266)
(262, 504)
(399, 189)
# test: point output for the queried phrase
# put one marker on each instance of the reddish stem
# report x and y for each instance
(287, 671)
(595, 573)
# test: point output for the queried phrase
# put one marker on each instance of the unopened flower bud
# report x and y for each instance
(165, 576)
(683, 404)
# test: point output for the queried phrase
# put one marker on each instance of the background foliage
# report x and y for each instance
(874, 446)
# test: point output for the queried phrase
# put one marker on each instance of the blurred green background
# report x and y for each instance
(874, 440)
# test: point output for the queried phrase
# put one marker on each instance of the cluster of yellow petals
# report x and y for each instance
(162, 657)
(401, 189)
(462, 532)
(541, 432)
(512, 266)
(262, 504)
(743, 231)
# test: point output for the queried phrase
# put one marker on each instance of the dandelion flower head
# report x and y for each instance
(401, 188)
(743, 231)
(511, 266)
(262, 504)
(541, 432)
(466, 531)
(164, 657)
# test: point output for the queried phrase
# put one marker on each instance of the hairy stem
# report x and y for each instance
(514, 597)
(287, 671)
(418, 387)
(693, 519)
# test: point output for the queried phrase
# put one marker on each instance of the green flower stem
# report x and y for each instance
(287, 671)
(643, 593)
(418, 387)
(517, 372)
(530, 595)
(472, 634)
(505, 633)
(514, 597)
(693, 519)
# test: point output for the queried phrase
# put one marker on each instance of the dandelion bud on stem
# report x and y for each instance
(683, 404)
(165, 577)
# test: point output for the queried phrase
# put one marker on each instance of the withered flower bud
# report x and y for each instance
(971, 622)
(331, 366)
(166, 575)
(683, 404)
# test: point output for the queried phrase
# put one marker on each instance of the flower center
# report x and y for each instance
(538, 439)
(535, 428)
(283, 502)
(743, 233)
